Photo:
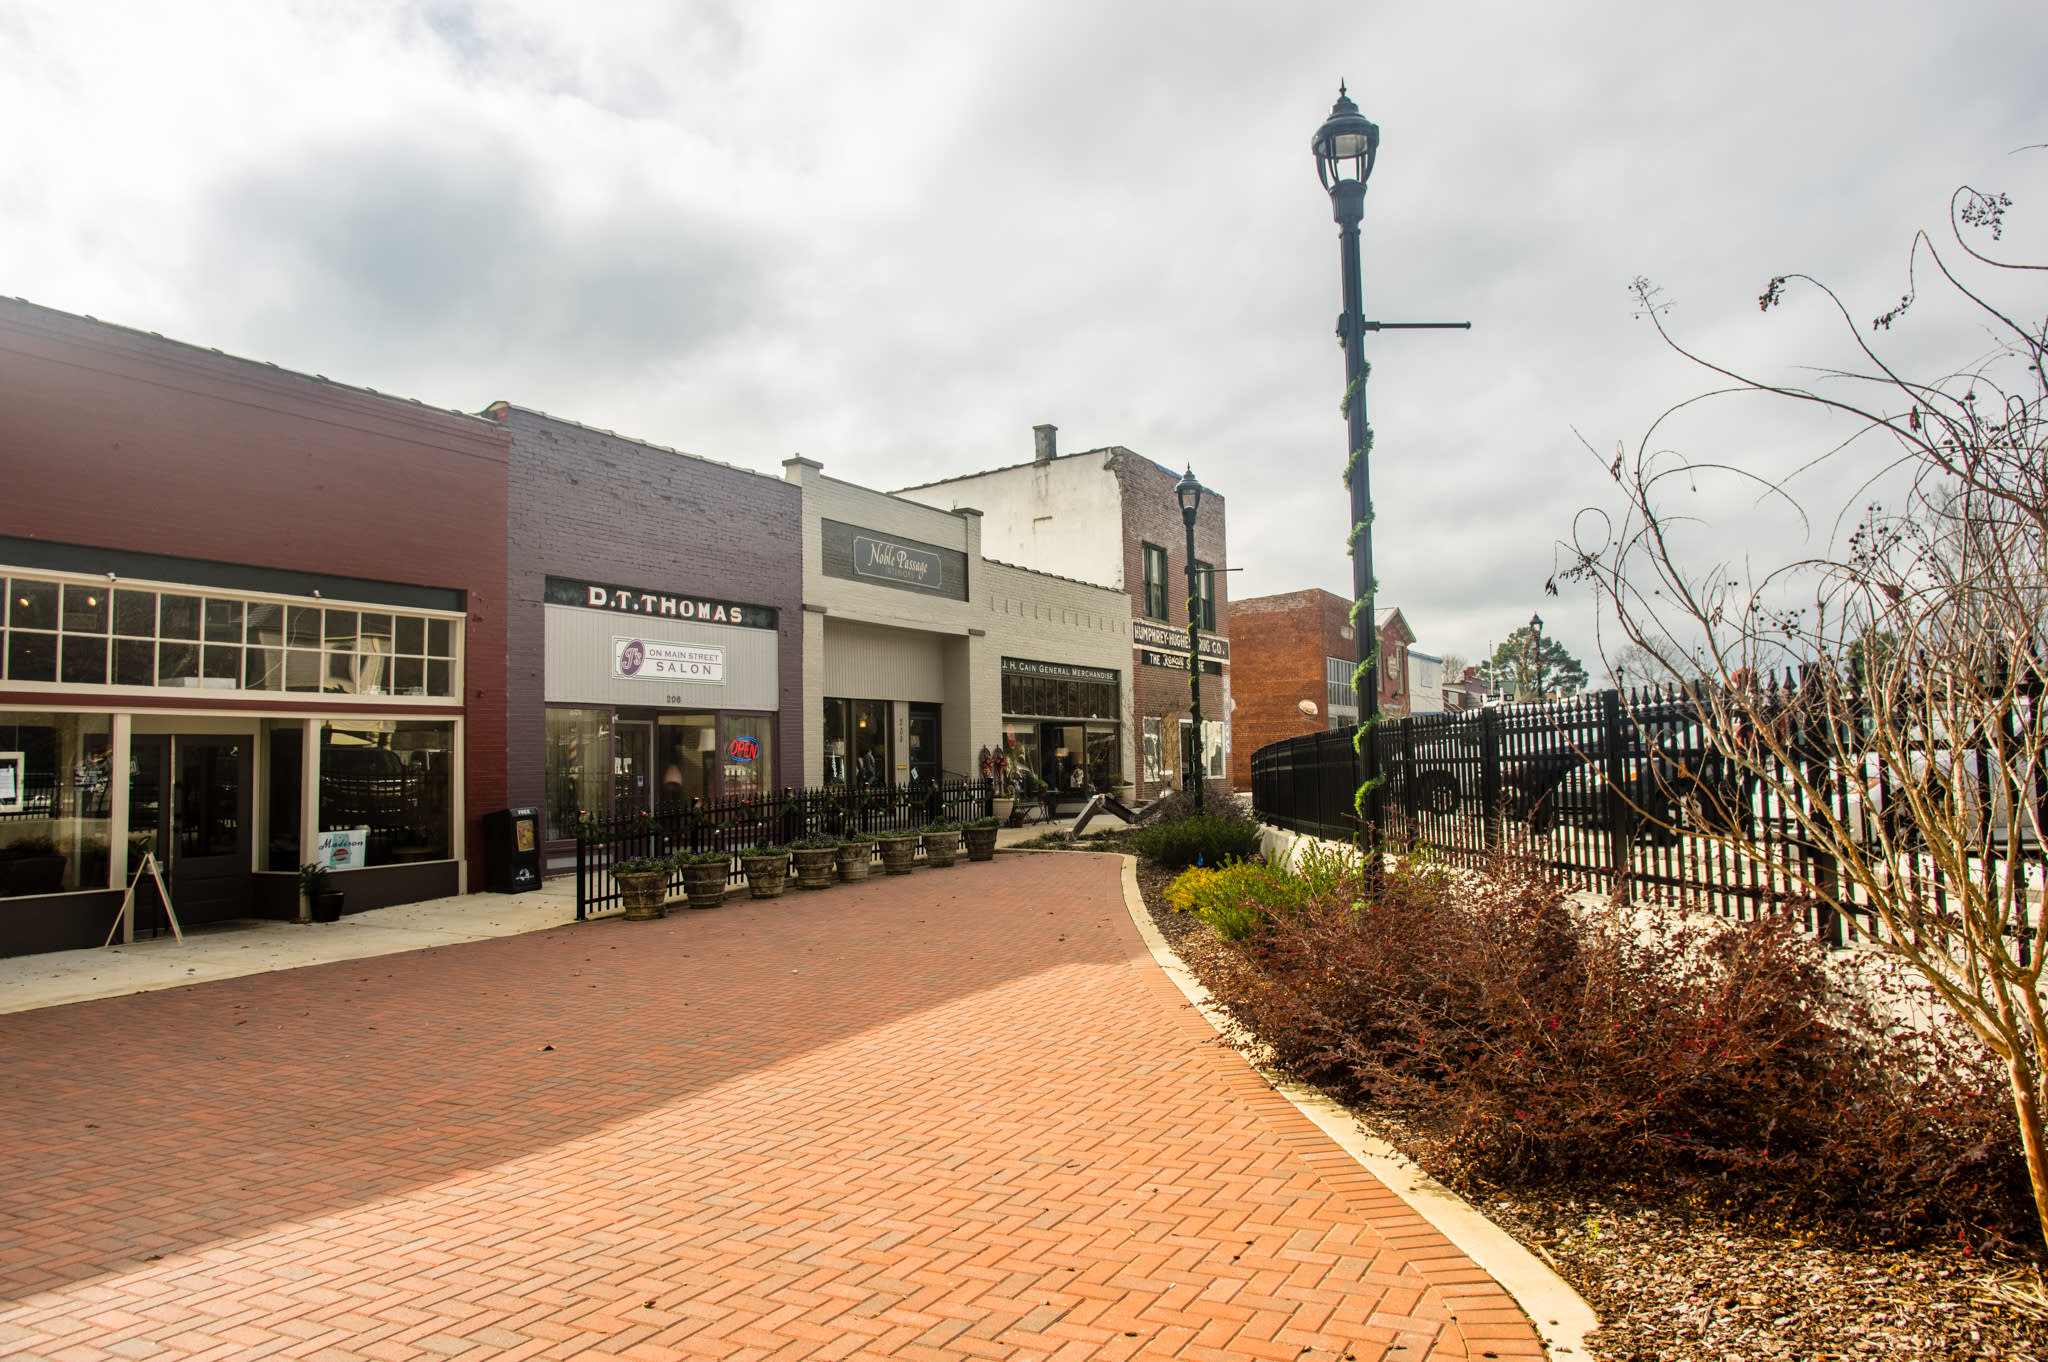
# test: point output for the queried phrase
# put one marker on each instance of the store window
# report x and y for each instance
(1155, 581)
(1341, 699)
(579, 753)
(686, 749)
(286, 785)
(1205, 595)
(1151, 739)
(54, 798)
(90, 634)
(749, 756)
(393, 780)
(857, 742)
(1214, 756)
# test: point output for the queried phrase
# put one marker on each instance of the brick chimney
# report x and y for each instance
(1045, 443)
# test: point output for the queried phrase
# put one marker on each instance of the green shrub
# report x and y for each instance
(1200, 839)
(1236, 898)
(942, 827)
(986, 823)
(814, 844)
(683, 858)
(640, 865)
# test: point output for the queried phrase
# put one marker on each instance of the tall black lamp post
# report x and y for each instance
(1345, 148)
(1189, 493)
(1536, 654)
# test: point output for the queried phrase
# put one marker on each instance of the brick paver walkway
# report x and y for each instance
(958, 1115)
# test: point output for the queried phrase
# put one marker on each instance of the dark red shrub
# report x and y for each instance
(1721, 1063)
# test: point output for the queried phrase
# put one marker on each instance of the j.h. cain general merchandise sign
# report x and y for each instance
(626, 600)
(636, 659)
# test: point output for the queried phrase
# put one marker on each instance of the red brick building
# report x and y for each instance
(1298, 647)
(253, 619)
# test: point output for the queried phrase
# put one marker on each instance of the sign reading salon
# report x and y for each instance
(635, 659)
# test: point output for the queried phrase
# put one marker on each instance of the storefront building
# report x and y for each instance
(250, 623)
(1110, 516)
(920, 654)
(654, 599)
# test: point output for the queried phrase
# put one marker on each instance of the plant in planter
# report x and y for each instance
(643, 887)
(815, 862)
(995, 768)
(899, 851)
(852, 855)
(979, 837)
(941, 844)
(704, 874)
(767, 871)
(323, 902)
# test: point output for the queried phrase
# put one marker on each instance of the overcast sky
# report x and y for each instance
(894, 237)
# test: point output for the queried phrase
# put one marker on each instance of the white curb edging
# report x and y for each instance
(1561, 1315)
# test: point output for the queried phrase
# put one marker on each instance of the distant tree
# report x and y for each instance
(1517, 663)
(1454, 668)
(1634, 665)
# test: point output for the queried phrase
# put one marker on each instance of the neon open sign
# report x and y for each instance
(743, 749)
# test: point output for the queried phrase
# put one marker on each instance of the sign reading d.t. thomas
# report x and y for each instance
(652, 660)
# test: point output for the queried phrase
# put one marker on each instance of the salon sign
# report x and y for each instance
(635, 659)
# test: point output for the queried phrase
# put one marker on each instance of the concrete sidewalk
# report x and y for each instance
(230, 949)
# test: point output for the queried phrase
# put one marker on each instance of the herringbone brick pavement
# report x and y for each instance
(956, 1115)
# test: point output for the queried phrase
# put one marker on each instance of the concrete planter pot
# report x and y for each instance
(980, 843)
(941, 849)
(899, 854)
(767, 876)
(816, 867)
(705, 883)
(852, 860)
(643, 894)
(1005, 806)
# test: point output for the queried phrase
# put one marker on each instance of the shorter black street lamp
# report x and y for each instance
(1536, 651)
(1189, 493)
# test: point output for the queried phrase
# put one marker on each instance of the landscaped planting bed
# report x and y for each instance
(1878, 1217)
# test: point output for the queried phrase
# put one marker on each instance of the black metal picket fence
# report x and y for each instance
(733, 825)
(1603, 787)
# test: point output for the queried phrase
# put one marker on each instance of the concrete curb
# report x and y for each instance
(1561, 1315)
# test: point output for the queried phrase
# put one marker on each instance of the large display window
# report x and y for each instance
(392, 781)
(54, 802)
(612, 762)
(857, 742)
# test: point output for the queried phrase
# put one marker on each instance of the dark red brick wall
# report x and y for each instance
(1278, 646)
(1152, 515)
(599, 507)
(120, 439)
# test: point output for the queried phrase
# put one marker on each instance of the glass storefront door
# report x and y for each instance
(925, 764)
(188, 801)
(632, 774)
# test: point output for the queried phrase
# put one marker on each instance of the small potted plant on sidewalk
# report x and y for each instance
(643, 887)
(979, 837)
(323, 903)
(899, 851)
(852, 856)
(815, 862)
(941, 844)
(704, 874)
(767, 871)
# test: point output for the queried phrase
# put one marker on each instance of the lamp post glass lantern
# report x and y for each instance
(1188, 492)
(1536, 655)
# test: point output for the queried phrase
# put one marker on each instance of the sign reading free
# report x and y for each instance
(636, 659)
